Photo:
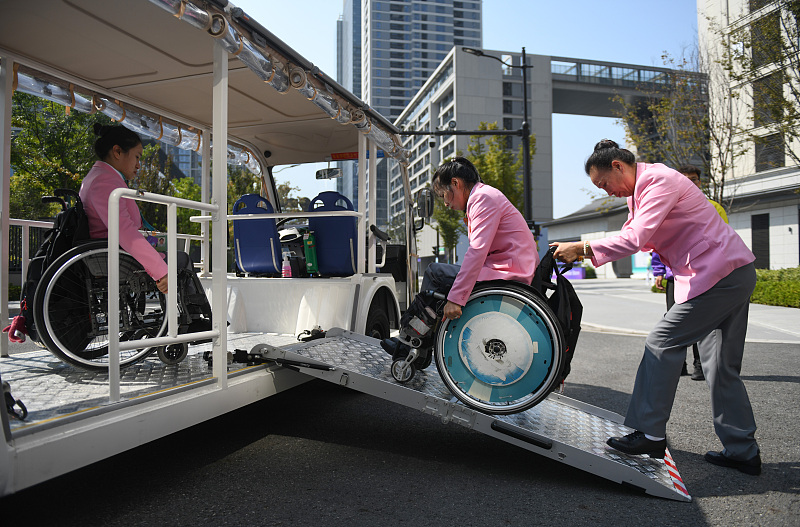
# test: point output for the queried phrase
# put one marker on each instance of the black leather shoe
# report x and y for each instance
(697, 374)
(750, 466)
(637, 443)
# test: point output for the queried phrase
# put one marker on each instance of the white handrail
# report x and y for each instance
(114, 345)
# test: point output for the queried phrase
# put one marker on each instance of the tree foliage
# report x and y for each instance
(52, 148)
(763, 53)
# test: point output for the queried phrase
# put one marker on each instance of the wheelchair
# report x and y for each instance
(70, 309)
(502, 356)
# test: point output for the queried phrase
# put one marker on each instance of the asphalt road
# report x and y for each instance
(322, 455)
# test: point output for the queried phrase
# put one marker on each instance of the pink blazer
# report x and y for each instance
(501, 246)
(670, 215)
(98, 184)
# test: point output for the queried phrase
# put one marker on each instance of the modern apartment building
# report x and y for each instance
(765, 186)
(387, 51)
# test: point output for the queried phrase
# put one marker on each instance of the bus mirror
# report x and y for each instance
(425, 203)
(329, 173)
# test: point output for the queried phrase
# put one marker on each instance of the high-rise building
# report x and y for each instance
(387, 51)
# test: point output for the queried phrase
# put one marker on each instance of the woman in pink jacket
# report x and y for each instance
(501, 247)
(119, 150)
(714, 278)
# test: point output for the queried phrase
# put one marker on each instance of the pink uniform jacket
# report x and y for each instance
(501, 246)
(98, 184)
(670, 215)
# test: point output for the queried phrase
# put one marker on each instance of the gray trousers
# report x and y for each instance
(717, 319)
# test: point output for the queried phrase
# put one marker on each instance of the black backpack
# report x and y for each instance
(70, 227)
(564, 302)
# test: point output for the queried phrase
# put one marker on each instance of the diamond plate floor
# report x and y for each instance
(51, 389)
(553, 418)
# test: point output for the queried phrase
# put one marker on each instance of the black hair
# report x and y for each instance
(605, 152)
(689, 169)
(109, 136)
(459, 167)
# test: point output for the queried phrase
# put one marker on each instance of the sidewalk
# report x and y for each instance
(628, 306)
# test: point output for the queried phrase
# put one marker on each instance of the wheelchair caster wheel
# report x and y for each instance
(403, 375)
(173, 354)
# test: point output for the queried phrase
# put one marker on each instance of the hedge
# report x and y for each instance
(780, 287)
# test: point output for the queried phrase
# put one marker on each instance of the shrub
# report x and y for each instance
(13, 292)
(774, 293)
(590, 272)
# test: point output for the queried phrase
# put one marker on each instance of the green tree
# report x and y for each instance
(498, 166)
(153, 177)
(186, 188)
(53, 148)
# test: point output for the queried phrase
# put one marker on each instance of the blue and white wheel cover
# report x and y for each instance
(496, 361)
(500, 350)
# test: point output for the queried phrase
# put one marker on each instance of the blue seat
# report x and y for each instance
(256, 243)
(336, 238)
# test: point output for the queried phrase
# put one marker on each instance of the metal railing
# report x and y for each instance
(114, 344)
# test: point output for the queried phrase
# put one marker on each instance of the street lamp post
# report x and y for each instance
(525, 129)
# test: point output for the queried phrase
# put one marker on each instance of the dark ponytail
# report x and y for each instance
(109, 136)
(605, 152)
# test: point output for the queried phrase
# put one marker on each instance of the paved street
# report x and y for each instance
(323, 455)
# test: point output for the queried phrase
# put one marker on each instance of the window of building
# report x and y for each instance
(508, 123)
(508, 106)
(764, 33)
(755, 5)
(768, 99)
(507, 89)
(770, 152)
(759, 230)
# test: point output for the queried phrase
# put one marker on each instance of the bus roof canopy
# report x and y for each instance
(152, 61)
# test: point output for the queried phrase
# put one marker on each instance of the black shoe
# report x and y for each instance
(637, 443)
(197, 325)
(697, 374)
(395, 348)
(750, 466)
(684, 370)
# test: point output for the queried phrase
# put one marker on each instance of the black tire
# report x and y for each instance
(501, 370)
(377, 324)
(173, 354)
(71, 307)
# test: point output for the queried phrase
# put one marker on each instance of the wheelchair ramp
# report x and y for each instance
(563, 429)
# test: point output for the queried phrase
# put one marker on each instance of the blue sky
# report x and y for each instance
(631, 31)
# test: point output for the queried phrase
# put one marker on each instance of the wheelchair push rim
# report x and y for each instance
(75, 344)
(503, 354)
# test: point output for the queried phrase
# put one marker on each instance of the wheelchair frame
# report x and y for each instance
(70, 309)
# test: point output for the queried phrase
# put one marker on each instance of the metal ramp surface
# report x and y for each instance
(563, 429)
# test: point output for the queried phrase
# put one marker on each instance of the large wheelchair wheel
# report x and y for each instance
(71, 307)
(504, 354)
